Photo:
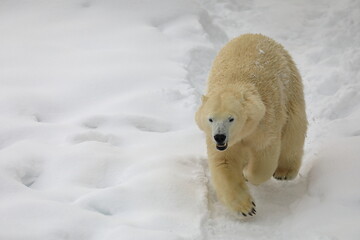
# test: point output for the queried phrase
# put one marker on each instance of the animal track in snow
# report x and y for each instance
(100, 209)
(29, 170)
(148, 124)
(95, 136)
(29, 176)
(142, 123)
(93, 202)
(94, 122)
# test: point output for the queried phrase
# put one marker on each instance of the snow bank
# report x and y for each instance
(97, 138)
(96, 117)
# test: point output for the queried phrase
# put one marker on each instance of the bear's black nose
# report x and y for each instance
(220, 138)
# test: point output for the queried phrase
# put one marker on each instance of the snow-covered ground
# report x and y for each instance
(97, 137)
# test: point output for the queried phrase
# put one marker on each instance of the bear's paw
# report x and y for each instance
(242, 204)
(285, 174)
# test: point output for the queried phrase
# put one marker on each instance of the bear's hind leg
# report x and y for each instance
(292, 147)
(262, 163)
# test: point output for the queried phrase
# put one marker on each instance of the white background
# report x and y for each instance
(97, 137)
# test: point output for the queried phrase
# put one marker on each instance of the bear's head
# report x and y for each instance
(228, 116)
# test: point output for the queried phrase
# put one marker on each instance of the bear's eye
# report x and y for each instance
(231, 119)
(211, 120)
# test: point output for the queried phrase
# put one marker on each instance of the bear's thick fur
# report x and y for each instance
(254, 118)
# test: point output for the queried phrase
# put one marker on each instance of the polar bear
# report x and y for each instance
(253, 115)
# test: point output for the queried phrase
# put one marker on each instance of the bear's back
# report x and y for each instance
(257, 60)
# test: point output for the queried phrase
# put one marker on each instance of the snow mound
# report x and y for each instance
(97, 137)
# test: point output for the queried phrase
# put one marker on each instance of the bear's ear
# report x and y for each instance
(255, 106)
(204, 98)
(198, 115)
(198, 119)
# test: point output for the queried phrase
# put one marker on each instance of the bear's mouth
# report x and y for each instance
(221, 147)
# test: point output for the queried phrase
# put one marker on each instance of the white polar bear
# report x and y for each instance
(254, 118)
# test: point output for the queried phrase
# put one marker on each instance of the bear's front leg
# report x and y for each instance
(230, 185)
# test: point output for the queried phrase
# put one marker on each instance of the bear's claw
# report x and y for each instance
(280, 177)
(251, 213)
(244, 207)
(285, 174)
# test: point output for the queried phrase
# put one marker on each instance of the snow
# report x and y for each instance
(97, 137)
